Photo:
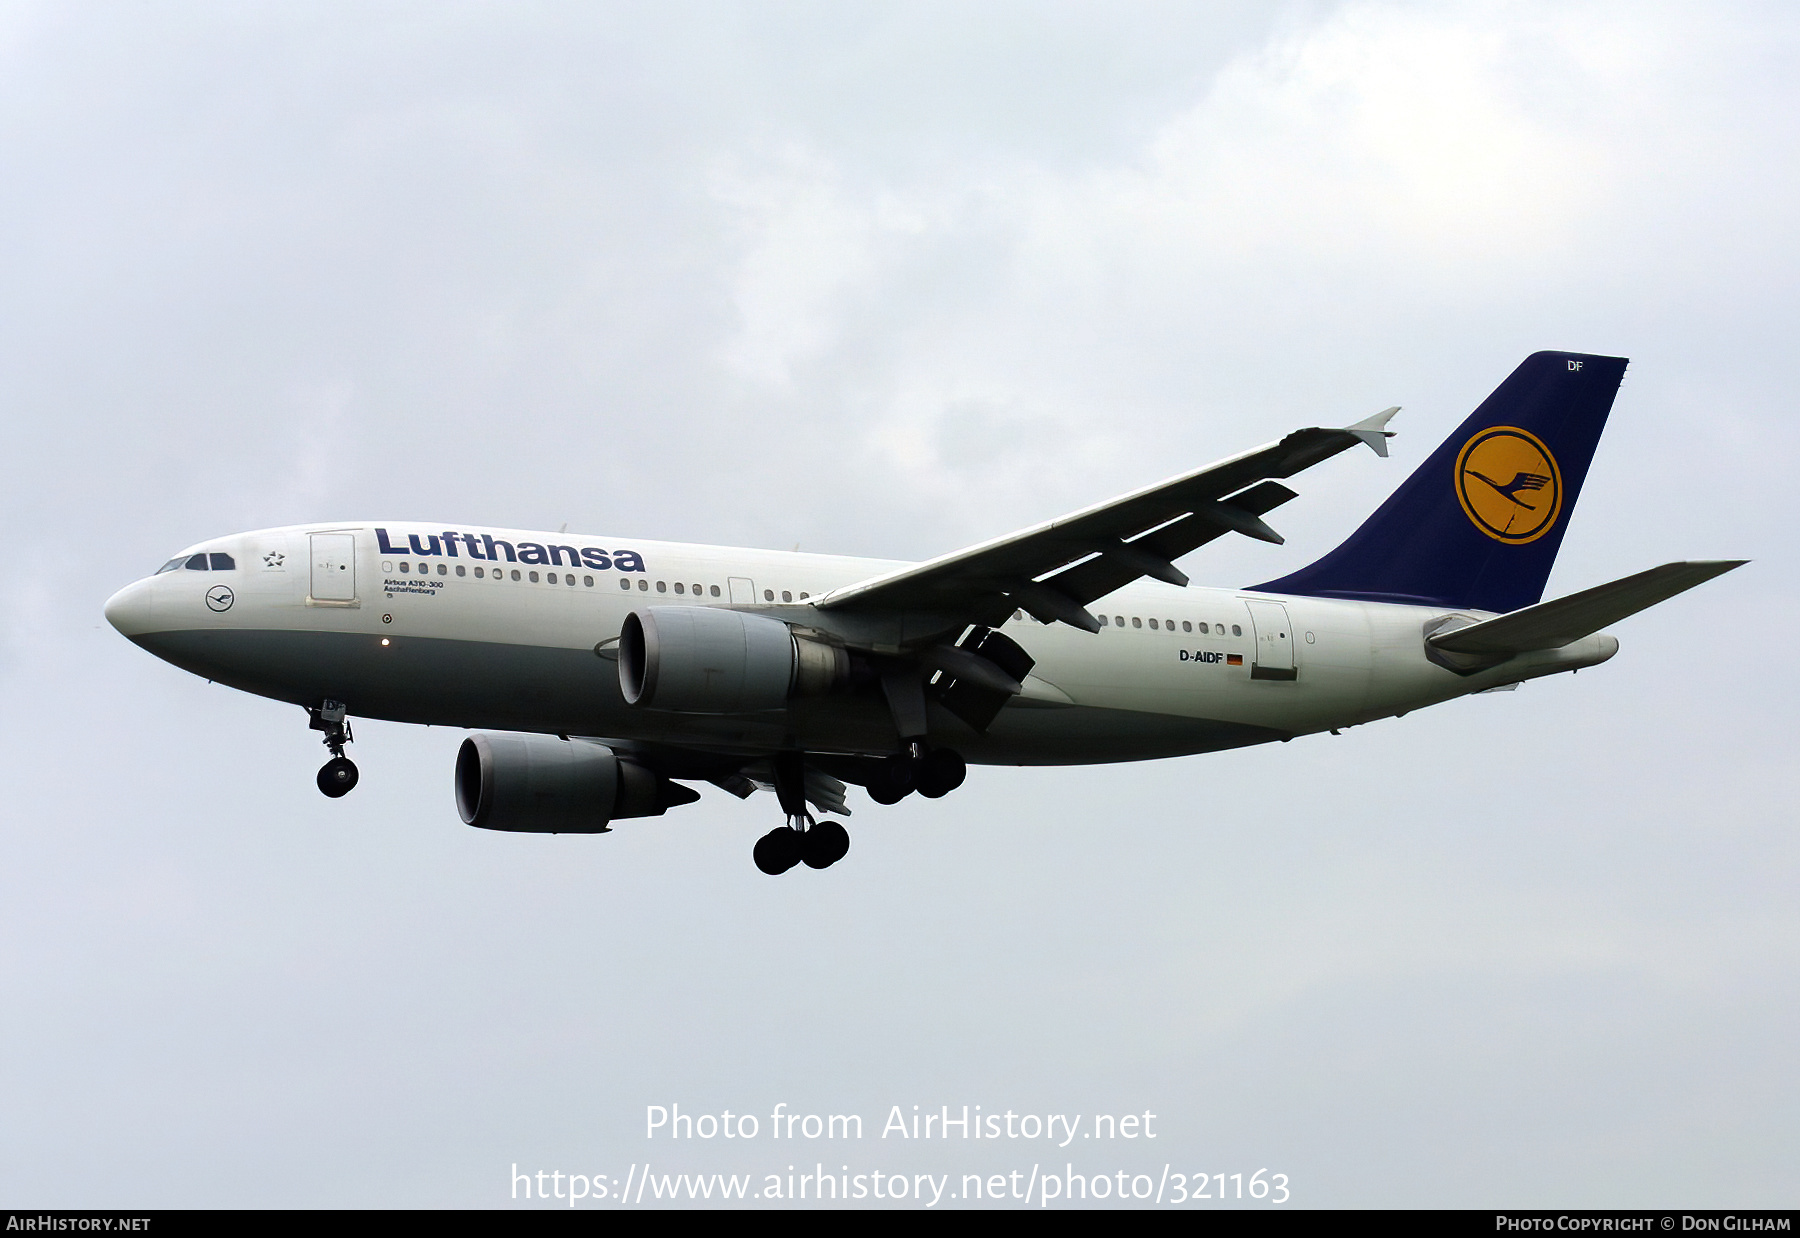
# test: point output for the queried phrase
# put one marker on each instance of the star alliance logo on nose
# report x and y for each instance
(220, 597)
(274, 559)
(1509, 484)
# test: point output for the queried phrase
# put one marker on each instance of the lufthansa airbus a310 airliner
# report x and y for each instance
(601, 674)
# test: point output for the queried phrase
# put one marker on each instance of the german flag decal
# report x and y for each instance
(1234, 659)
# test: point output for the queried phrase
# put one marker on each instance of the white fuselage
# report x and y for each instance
(489, 637)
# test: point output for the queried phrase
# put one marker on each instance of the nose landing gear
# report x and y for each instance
(337, 776)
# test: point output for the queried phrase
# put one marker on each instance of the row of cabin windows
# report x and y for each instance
(682, 588)
(213, 562)
(662, 586)
(443, 569)
(1168, 625)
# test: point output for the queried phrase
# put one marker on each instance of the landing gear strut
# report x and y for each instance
(338, 775)
(817, 844)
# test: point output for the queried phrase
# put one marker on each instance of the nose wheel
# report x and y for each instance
(337, 776)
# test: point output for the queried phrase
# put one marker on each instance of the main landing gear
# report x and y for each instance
(817, 844)
(337, 776)
(932, 773)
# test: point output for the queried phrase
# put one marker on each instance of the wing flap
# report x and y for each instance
(1107, 571)
(1138, 534)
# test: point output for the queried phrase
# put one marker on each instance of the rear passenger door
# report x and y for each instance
(1274, 657)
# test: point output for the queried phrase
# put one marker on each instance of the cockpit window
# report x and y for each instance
(212, 561)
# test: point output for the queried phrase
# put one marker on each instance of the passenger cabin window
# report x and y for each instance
(1236, 630)
(786, 595)
(768, 595)
(661, 587)
(715, 591)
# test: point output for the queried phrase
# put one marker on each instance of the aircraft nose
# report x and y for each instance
(129, 609)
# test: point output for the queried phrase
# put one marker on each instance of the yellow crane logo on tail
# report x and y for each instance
(1509, 485)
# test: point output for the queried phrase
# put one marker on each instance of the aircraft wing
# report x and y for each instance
(1053, 570)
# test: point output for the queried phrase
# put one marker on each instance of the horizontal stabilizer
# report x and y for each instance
(1551, 625)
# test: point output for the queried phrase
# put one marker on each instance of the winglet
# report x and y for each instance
(1374, 431)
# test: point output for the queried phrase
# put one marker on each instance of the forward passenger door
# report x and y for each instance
(333, 567)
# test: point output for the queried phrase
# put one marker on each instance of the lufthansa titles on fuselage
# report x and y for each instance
(488, 548)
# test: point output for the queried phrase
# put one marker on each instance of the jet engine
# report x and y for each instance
(703, 660)
(539, 784)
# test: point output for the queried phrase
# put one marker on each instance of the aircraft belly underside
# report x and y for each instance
(549, 690)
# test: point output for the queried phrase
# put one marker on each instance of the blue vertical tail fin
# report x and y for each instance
(1477, 526)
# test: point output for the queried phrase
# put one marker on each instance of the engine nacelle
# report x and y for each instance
(539, 784)
(703, 660)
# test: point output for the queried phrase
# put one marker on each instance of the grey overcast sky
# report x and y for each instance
(888, 279)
